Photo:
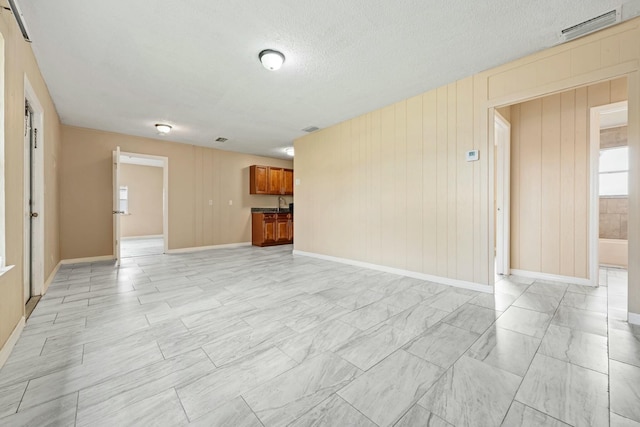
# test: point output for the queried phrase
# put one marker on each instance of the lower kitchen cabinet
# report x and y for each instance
(269, 229)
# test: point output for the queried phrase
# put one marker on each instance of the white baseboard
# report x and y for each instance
(150, 236)
(634, 318)
(50, 278)
(207, 248)
(552, 277)
(88, 259)
(414, 274)
(6, 349)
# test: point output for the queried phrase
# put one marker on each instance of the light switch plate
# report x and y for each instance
(473, 155)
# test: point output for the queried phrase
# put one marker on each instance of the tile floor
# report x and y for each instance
(257, 337)
(141, 246)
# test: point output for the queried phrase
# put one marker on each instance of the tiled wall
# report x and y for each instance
(613, 217)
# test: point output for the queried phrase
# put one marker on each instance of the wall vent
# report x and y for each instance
(591, 25)
(221, 139)
(311, 129)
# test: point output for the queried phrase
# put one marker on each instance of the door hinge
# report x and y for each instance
(35, 138)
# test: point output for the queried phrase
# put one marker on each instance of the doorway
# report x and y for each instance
(140, 205)
(33, 256)
(502, 142)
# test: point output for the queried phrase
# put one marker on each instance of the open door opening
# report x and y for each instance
(140, 194)
(502, 153)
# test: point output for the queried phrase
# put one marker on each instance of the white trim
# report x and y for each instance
(414, 274)
(207, 248)
(150, 236)
(633, 318)
(37, 255)
(503, 196)
(5, 351)
(165, 191)
(594, 196)
(88, 259)
(5, 269)
(552, 277)
(52, 276)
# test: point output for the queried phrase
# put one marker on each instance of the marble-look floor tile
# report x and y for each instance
(10, 397)
(585, 302)
(520, 415)
(215, 389)
(620, 421)
(472, 318)
(496, 301)
(512, 285)
(99, 401)
(334, 411)
(371, 394)
(505, 349)
(525, 321)
(417, 319)
(370, 315)
(570, 393)
(538, 302)
(318, 340)
(625, 390)
(472, 393)
(443, 344)
(371, 347)
(286, 397)
(408, 298)
(581, 320)
(240, 342)
(624, 346)
(235, 413)
(417, 416)
(359, 300)
(314, 316)
(161, 409)
(580, 348)
(600, 291)
(450, 300)
(58, 412)
(548, 288)
(274, 313)
(19, 369)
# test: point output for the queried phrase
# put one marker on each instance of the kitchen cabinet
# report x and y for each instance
(268, 229)
(270, 180)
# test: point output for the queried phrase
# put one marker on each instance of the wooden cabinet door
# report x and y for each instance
(259, 180)
(270, 231)
(290, 226)
(287, 182)
(275, 180)
(282, 229)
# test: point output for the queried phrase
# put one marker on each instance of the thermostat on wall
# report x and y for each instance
(473, 155)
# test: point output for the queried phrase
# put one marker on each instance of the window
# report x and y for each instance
(614, 171)
(124, 199)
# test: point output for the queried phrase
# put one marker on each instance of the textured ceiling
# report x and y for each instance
(124, 65)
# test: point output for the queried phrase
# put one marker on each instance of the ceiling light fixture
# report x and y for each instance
(289, 151)
(271, 59)
(163, 129)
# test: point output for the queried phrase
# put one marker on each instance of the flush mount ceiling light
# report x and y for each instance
(163, 129)
(289, 151)
(271, 59)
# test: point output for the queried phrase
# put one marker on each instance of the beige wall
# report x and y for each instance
(19, 61)
(550, 179)
(196, 175)
(144, 184)
(390, 187)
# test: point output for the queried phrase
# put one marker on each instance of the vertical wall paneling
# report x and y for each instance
(550, 190)
(452, 181)
(400, 181)
(567, 183)
(442, 198)
(387, 188)
(515, 187)
(464, 189)
(429, 177)
(414, 202)
(581, 220)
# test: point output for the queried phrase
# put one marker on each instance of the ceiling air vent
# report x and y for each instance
(221, 139)
(311, 129)
(591, 25)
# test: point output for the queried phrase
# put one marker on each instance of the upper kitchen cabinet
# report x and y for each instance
(270, 180)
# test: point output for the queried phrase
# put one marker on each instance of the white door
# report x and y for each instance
(116, 205)
(503, 188)
(30, 136)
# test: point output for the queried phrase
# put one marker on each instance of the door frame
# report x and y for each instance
(594, 184)
(503, 196)
(165, 192)
(36, 260)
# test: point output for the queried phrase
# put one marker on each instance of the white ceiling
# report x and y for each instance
(123, 66)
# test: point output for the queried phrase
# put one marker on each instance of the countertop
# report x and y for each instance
(269, 210)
